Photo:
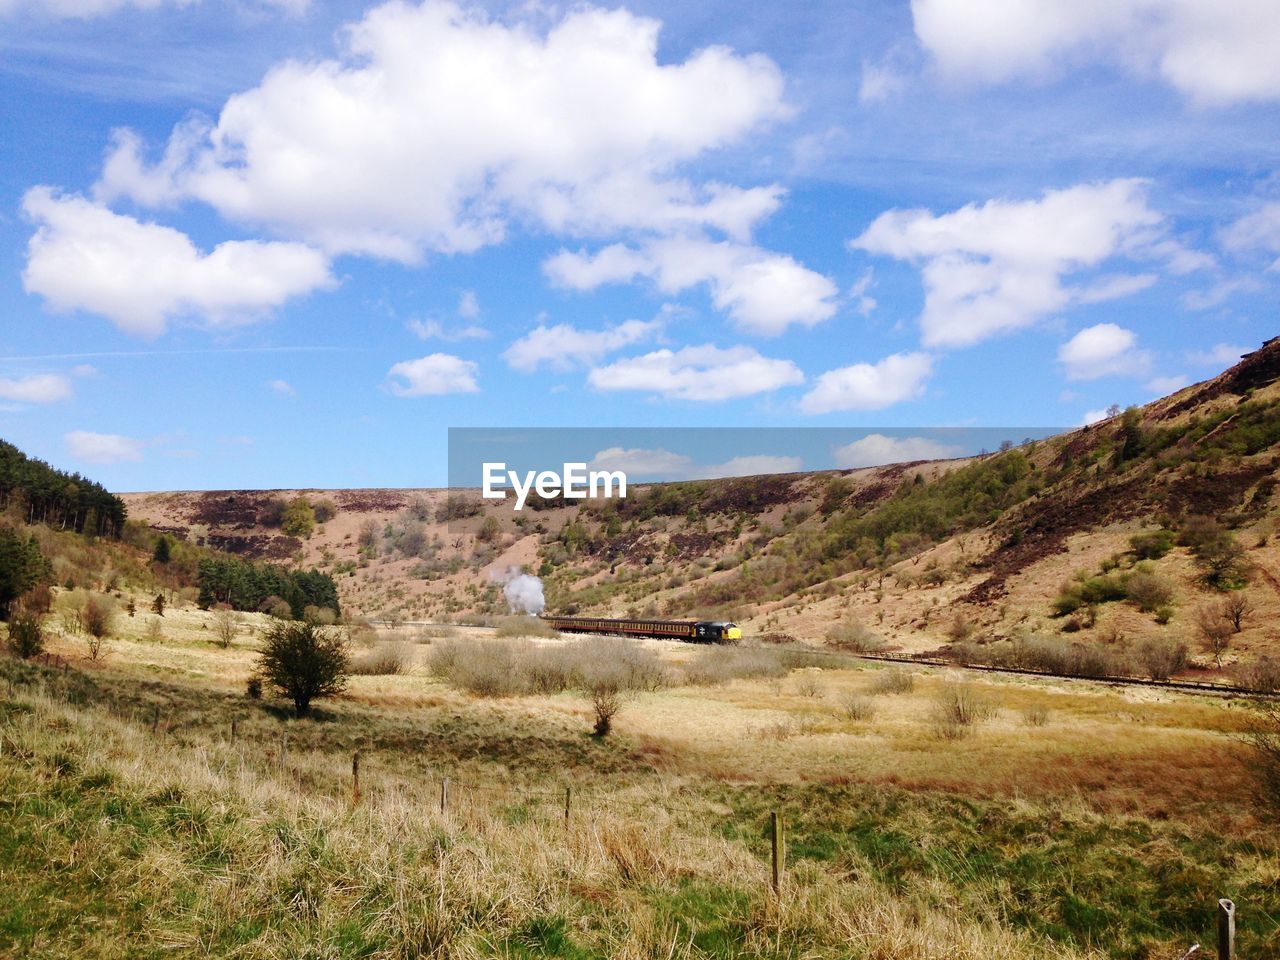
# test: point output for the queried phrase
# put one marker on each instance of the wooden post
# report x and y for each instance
(779, 852)
(1226, 930)
(568, 798)
(155, 720)
(355, 778)
(444, 795)
(233, 732)
(284, 749)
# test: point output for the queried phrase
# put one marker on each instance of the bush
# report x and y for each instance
(1263, 736)
(1261, 676)
(855, 636)
(1036, 715)
(299, 518)
(957, 709)
(1161, 659)
(1149, 590)
(97, 617)
(606, 701)
(387, 659)
(1151, 544)
(893, 680)
(855, 707)
(524, 626)
(304, 661)
(504, 668)
(26, 636)
(715, 666)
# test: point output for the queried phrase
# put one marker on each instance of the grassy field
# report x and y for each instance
(1068, 820)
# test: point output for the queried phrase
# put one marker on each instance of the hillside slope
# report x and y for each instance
(922, 554)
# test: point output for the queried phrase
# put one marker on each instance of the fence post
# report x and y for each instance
(444, 795)
(284, 749)
(355, 778)
(779, 851)
(155, 720)
(1226, 930)
(568, 796)
(233, 732)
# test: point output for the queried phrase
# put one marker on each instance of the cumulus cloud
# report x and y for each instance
(1000, 266)
(1256, 231)
(562, 346)
(102, 447)
(706, 373)
(1094, 416)
(89, 9)
(37, 388)
(1164, 386)
(433, 375)
(870, 386)
(876, 449)
(1103, 350)
(659, 463)
(436, 126)
(142, 275)
(762, 292)
(1213, 53)
(1220, 355)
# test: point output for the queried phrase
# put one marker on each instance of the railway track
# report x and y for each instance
(1188, 686)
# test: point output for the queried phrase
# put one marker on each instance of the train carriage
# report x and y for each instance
(691, 631)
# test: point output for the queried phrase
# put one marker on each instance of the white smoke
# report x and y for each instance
(522, 590)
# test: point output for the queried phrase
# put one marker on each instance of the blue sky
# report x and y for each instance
(271, 243)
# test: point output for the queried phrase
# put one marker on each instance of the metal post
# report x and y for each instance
(1226, 930)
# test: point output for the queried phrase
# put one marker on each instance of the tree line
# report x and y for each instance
(245, 585)
(39, 493)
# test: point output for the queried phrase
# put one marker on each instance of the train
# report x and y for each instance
(690, 631)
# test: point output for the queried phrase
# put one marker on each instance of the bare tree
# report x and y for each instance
(1235, 607)
(1215, 632)
(1263, 736)
(226, 626)
(606, 699)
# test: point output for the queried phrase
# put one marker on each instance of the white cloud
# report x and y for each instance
(433, 329)
(1163, 386)
(698, 373)
(1219, 292)
(1213, 53)
(870, 386)
(875, 449)
(1094, 416)
(881, 81)
(640, 462)
(37, 388)
(860, 296)
(142, 275)
(1220, 355)
(437, 126)
(562, 346)
(1259, 230)
(282, 387)
(1103, 350)
(762, 292)
(102, 447)
(89, 9)
(1000, 267)
(468, 305)
(433, 375)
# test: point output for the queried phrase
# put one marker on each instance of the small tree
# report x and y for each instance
(606, 700)
(157, 605)
(490, 530)
(299, 518)
(22, 566)
(26, 638)
(1235, 607)
(162, 551)
(97, 618)
(1215, 632)
(225, 626)
(131, 607)
(304, 661)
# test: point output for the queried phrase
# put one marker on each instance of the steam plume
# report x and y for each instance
(522, 590)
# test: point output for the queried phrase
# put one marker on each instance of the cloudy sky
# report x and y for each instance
(257, 243)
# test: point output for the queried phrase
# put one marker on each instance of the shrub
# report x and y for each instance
(808, 685)
(1161, 659)
(718, 665)
(1261, 676)
(1263, 736)
(1036, 715)
(855, 636)
(961, 628)
(253, 688)
(1215, 632)
(1149, 590)
(524, 626)
(606, 701)
(856, 707)
(1216, 551)
(26, 636)
(226, 625)
(97, 617)
(957, 709)
(304, 661)
(1151, 544)
(387, 659)
(893, 680)
(299, 518)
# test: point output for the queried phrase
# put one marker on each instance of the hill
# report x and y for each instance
(921, 555)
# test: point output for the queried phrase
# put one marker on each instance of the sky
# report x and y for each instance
(281, 243)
